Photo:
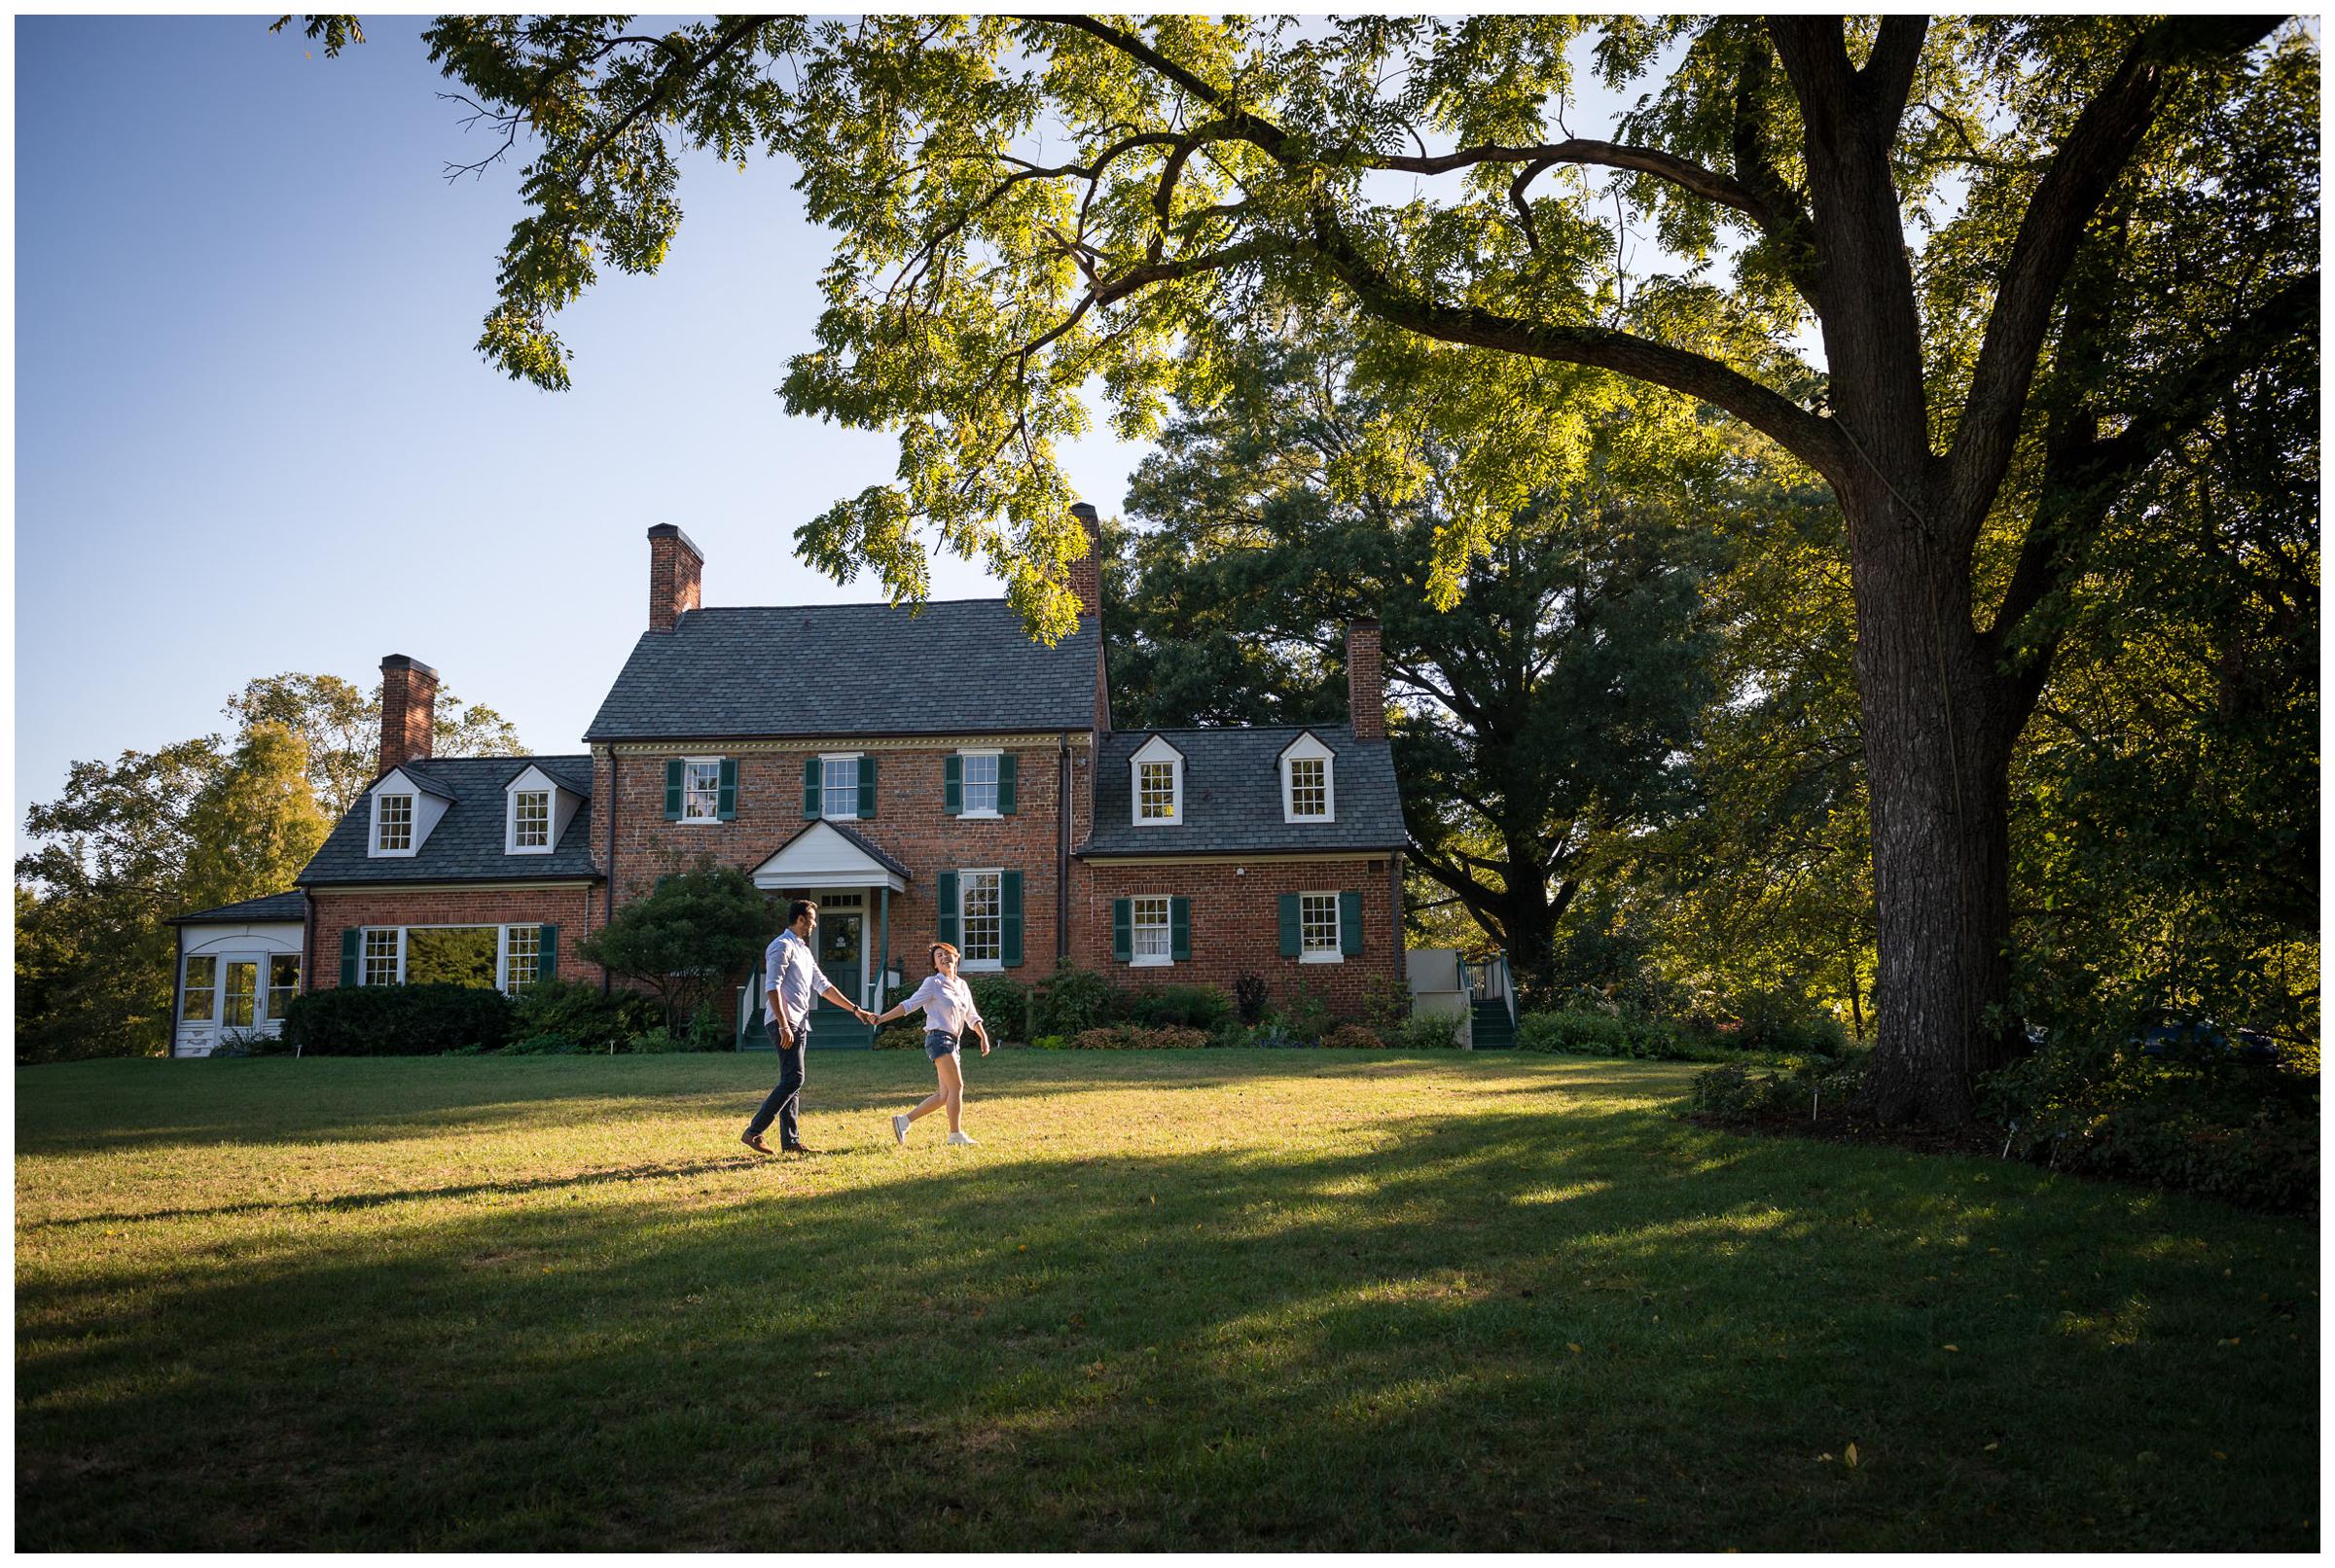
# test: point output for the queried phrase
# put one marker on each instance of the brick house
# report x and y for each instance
(934, 775)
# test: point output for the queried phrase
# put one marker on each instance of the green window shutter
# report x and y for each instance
(1123, 929)
(1291, 944)
(946, 929)
(953, 784)
(1005, 784)
(811, 786)
(1009, 924)
(349, 941)
(672, 789)
(546, 954)
(1349, 923)
(725, 801)
(867, 786)
(1179, 930)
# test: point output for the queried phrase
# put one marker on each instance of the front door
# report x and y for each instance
(842, 951)
(239, 994)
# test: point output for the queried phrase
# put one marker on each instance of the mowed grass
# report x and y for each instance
(1206, 1299)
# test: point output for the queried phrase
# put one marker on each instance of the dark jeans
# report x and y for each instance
(786, 1097)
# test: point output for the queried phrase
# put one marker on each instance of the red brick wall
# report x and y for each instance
(1365, 680)
(1236, 925)
(676, 576)
(575, 909)
(409, 705)
(909, 825)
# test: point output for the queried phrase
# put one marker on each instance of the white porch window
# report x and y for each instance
(199, 996)
(283, 982)
(1153, 943)
(701, 790)
(1317, 927)
(981, 922)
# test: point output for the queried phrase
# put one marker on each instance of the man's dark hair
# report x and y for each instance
(799, 908)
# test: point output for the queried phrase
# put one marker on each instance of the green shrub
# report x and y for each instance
(577, 1010)
(1138, 1037)
(396, 1020)
(546, 1045)
(1308, 1014)
(2200, 1121)
(1386, 1005)
(1070, 1002)
(1051, 1042)
(900, 1037)
(1251, 995)
(1593, 1032)
(1766, 1021)
(1188, 1007)
(1734, 1092)
(1353, 1037)
(1003, 1005)
(1429, 1031)
(689, 939)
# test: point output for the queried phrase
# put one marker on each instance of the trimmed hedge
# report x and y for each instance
(397, 1021)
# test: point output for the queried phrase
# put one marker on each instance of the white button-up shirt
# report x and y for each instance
(948, 1004)
(792, 970)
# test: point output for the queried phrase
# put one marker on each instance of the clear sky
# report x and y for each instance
(252, 435)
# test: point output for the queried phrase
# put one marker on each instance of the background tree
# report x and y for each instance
(255, 824)
(689, 939)
(1963, 219)
(340, 726)
(1544, 716)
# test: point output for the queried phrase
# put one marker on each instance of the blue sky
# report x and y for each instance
(252, 435)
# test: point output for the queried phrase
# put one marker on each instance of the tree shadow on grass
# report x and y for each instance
(1505, 1329)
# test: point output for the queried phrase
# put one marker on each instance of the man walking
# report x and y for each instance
(792, 978)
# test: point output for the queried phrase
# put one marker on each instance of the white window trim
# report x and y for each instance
(551, 820)
(373, 838)
(685, 820)
(980, 966)
(1158, 749)
(993, 814)
(363, 960)
(1336, 955)
(1137, 960)
(216, 989)
(1309, 747)
(502, 953)
(826, 811)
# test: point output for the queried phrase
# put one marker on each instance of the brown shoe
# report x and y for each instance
(753, 1141)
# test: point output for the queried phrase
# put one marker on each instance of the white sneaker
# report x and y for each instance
(958, 1137)
(900, 1129)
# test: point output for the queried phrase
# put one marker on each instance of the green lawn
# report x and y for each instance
(1210, 1299)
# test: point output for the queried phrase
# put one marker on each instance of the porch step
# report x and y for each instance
(1491, 1026)
(830, 1030)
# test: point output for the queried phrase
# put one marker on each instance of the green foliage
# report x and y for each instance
(396, 1020)
(1251, 996)
(547, 1044)
(575, 1010)
(1353, 1037)
(1734, 1092)
(1139, 1037)
(1593, 1032)
(1070, 1002)
(2200, 1118)
(900, 1037)
(1428, 1031)
(690, 941)
(1003, 1005)
(1192, 1007)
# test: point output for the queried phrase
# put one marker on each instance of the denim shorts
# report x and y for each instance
(939, 1042)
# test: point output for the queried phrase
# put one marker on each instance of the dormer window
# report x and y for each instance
(1309, 787)
(530, 819)
(1159, 784)
(393, 824)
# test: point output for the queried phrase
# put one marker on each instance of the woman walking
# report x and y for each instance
(949, 1011)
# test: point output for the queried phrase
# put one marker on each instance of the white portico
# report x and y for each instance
(852, 881)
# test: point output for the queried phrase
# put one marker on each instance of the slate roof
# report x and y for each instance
(962, 667)
(467, 844)
(292, 906)
(1233, 795)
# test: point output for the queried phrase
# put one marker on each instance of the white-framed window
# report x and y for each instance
(523, 956)
(1309, 781)
(980, 773)
(198, 997)
(1158, 783)
(1152, 941)
(530, 819)
(283, 982)
(1318, 929)
(702, 788)
(384, 954)
(393, 824)
(980, 919)
(839, 787)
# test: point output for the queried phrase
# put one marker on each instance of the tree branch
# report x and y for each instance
(1887, 78)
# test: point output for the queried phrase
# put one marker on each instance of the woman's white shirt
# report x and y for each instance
(948, 1004)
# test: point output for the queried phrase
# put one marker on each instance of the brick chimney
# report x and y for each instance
(1085, 573)
(677, 570)
(408, 707)
(1365, 679)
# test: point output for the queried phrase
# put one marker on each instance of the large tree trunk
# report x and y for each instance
(1937, 736)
